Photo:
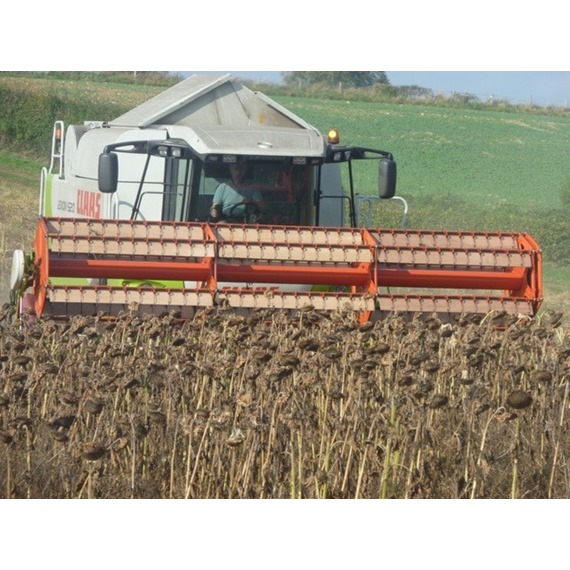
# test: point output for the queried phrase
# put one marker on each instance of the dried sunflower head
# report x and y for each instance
(519, 400)
(93, 452)
(542, 376)
(438, 401)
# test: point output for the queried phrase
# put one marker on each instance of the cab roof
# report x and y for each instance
(222, 115)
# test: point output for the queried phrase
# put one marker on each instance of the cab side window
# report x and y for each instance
(211, 177)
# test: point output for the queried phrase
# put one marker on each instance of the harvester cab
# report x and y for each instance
(289, 190)
(131, 217)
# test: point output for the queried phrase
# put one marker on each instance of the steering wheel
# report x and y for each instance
(251, 213)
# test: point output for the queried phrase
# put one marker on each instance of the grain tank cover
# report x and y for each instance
(222, 115)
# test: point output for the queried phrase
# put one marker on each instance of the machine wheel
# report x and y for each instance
(18, 268)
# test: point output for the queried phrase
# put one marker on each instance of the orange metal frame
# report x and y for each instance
(365, 277)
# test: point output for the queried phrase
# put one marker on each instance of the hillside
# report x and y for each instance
(485, 157)
(488, 156)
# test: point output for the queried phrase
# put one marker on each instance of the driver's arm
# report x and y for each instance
(216, 212)
(217, 204)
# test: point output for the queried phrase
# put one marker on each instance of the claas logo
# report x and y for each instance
(88, 204)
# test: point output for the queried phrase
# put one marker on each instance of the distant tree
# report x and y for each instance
(415, 91)
(464, 98)
(356, 79)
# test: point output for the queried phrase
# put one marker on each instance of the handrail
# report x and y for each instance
(57, 146)
(365, 220)
(43, 181)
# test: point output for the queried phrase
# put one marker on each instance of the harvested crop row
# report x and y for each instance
(277, 406)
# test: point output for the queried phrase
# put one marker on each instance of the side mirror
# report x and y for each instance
(108, 172)
(386, 179)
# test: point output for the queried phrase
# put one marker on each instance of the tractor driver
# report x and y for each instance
(234, 200)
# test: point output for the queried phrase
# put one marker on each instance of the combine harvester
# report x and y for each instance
(126, 222)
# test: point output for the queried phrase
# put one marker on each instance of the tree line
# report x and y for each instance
(355, 79)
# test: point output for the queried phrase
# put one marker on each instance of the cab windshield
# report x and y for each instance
(280, 193)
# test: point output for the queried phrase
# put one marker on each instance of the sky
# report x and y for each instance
(518, 87)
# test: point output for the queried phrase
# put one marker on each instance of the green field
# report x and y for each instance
(486, 157)
(458, 168)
